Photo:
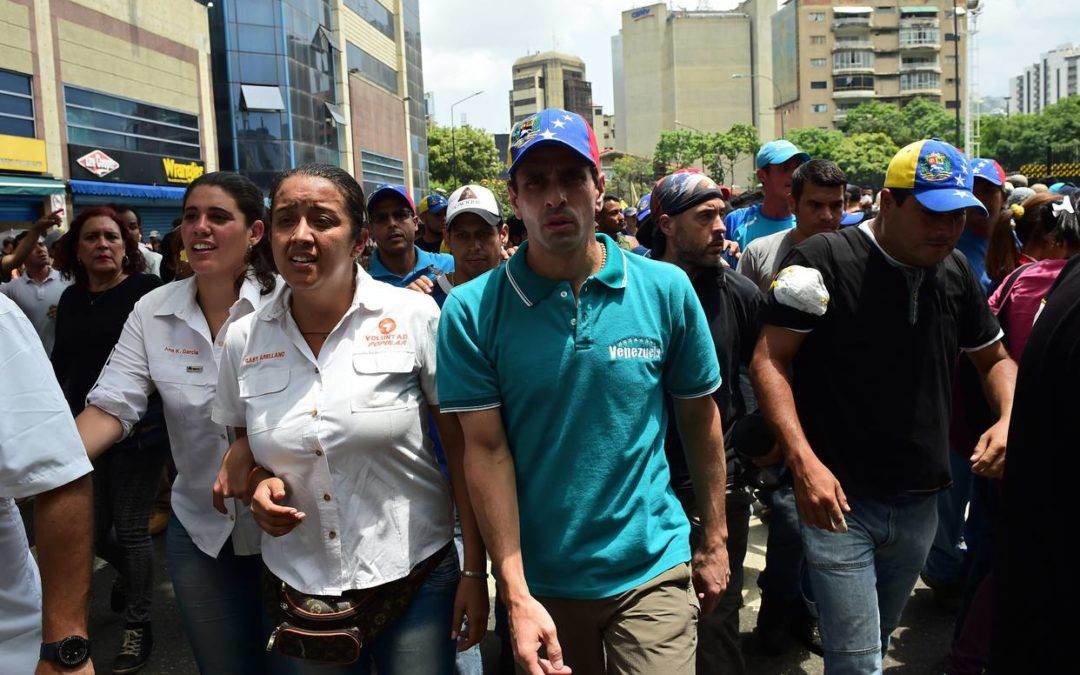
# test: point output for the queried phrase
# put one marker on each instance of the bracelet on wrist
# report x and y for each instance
(469, 574)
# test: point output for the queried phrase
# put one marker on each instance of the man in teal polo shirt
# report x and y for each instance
(557, 363)
(397, 260)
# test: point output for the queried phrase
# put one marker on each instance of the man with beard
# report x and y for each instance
(397, 260)
(852, 370)
(557, 366)
(687, 210)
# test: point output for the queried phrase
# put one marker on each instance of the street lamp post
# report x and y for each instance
(453, 141)
(776, 90)
(956, 14)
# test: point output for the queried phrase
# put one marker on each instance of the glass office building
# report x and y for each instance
(275, 97)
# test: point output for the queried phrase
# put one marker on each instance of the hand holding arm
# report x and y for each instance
(233, 479)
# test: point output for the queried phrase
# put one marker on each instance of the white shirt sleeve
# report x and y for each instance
(428, 327)
(228, 408)
(40, 448)
(124, 385)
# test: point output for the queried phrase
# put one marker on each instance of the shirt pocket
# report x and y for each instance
(263, 391)
(186, 388)
(383, 379)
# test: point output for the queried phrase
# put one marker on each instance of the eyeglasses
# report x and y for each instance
(383, 217)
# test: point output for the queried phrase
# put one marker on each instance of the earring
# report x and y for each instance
(125, 261)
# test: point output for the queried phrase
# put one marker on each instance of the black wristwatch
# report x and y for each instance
(70, 652)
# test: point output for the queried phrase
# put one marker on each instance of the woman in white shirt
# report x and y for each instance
(331, 385)
(171, 343)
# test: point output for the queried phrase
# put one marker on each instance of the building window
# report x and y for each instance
(860, 59)
(817, 39)
(528, 83)
(819, 84)
(919, 80)
(886, 9)
(376, 15)
(371, 68)
(816, 17)
(919, 35)
(819, 63)
(950, 59)
(952, 105)
(819, 108)
(109, 121)
(262, 99)
(853, 82)
(525, 101)
(378, 168)
(16, 105)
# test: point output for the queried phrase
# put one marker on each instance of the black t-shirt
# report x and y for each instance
(732, 305)
(1039, 488)
(872, 378)
(86, 333)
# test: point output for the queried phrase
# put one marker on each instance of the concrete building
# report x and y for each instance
(550, 80)
(335, 81)
(604, 126)
(674, 68)
(831, 55)
(1047, 81)
(110, 99)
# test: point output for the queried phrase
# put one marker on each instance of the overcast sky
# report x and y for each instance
(471, 46)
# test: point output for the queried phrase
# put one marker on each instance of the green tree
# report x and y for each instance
(502, 194)
(679, 148)
(924, 118)
(631, 177)
(741, 139)
(865, 157)
(818, 143)
(873, 117)
(1020, 139)
(477, 158)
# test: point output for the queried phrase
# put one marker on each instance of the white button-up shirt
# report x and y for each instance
(35, 299)
(347, 433)
(166, 345)
(40, 450)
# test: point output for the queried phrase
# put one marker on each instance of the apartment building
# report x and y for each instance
(831, 55)
(1047, 81)
(550, 80)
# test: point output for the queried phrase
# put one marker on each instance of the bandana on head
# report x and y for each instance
(681, 191)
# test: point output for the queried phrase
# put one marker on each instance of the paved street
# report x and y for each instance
(918, 647)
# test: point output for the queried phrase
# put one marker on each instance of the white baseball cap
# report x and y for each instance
(474, 199)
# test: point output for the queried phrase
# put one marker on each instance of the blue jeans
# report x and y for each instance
(862, 578)
(946, 560)
(418, 642)
(783, 581)
(221, 607)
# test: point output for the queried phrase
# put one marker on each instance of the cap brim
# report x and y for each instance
(546, 142)
(489, 217)
(943, 200)
(785, 155)
(990, 179)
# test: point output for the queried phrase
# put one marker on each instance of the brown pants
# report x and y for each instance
(648, 630)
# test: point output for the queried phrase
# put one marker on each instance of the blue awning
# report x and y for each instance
(131, 190)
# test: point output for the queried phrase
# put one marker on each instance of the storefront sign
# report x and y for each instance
(22, 154)
(122, 166)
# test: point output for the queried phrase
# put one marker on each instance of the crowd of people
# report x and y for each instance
(353, 403)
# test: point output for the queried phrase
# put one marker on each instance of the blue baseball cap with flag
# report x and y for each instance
(778, 152)
(644, 207)
(435, 203)
(937, 174)
(384, 189)
(553, 126)
(988, 170)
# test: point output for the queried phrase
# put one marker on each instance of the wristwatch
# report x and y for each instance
(70, 652)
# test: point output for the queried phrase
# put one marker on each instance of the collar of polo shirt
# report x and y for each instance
(183, 303)
(532, 288)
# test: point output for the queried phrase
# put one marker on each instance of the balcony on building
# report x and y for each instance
(850, 62)
(852, 44)
(921, 83)
(853, 86)
(913, 64)
(851, 19)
